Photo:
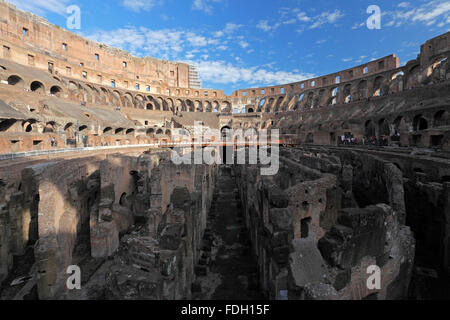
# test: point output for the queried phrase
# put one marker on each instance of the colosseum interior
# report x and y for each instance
(87, 135)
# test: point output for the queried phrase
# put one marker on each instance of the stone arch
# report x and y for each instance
(6, 124)
(50, 127)
(384, 128)
(189, 105)
(208, 106)
(362, 89)
(107, 130)
(69, 129)
(56, 91)
(441, 118)
(128, 100)
(105, 95)
(37, 86)
(116, 98)
(378, 84)
(309, 100)
(369, 129)
(29, 125)
(179, 105)
(420, 123)
(226, 107)
(140, 101)
(170, 104)
(347, 93)
(269, 105)
(261, 105)
(413, 76)
(216, 106)
(198, 106)
(277, 105)
(163, 103)
(400, 124)
(15, 80)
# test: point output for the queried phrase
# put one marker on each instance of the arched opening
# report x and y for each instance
(82, 128)
(37, 86)
(159, 131)
(130, 131)
(369, 129)
(378, 86)
(250, 110)
(68, 126)
(49, 127)
(362, 89)
(150, 131)
(347, 93)
(168, 132)
(442, 118)
(334, 92)
(56, 91)
(261, 104)
(123, 200)
(190, 106)
(420, 123)
(28, 125)
(118, 131)
(107, 130)
(397, 75)
(149, 106)
(6, 124)
(384, 129)
(15, 81)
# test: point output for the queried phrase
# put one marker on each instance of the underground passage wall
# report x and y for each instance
(136, 217)
(313, 241)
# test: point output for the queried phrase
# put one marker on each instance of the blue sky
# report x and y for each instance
(253, 43)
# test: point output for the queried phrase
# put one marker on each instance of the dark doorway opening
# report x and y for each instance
(304, 227)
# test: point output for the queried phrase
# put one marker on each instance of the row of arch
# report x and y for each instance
(393, 81)
(86, 92)
(70, 128)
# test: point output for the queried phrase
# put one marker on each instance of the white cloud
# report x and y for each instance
(290, 21)
(303, 17)
(430, 13)
(40, 7)
(264, 25)
(138, 5)
(204, 5)
(229, 29)
(243, 44)
(221, 72)
(326, 17)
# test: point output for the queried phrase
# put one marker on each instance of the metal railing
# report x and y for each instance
(35, 153)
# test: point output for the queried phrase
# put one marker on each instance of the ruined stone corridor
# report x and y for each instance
(227, 245)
